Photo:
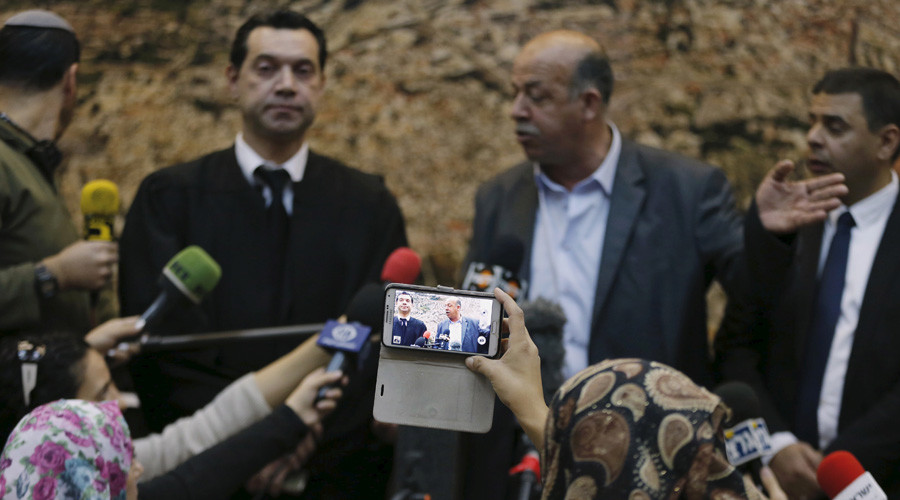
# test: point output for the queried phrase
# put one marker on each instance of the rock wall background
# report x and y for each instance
(418, 90)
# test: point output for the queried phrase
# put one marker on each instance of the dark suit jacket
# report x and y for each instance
(414, 329)
(470, 333)
(672, 228)
(769, 353)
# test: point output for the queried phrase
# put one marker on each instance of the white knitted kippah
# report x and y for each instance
(39, 19)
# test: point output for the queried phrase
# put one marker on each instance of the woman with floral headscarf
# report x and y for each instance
(69, 449)
(80, 449)
(621, 429)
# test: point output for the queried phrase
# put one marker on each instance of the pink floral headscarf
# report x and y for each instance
(67, 449)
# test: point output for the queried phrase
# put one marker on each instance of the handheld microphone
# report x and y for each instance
(187, 277)
(402, 266)
(746, 434)
(99, 204)
(364, 316)
(842, 477)
(544, 320)
(504, 261)
(420, 342)
(530, 468)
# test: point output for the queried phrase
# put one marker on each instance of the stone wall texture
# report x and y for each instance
(418, 90)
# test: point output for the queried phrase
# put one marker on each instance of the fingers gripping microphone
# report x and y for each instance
(746, 435)
(347, 339)
(501, 270)
(99, 204)
(187, 278)
(842, 477)
(402, 266)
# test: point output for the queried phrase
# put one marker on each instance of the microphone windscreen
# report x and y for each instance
(193, 272)
(544, 320)
(402, 266)
(421, 341)
(367, 305)
(742, 400)
(100, 197)
(837, 470)
(507, 252)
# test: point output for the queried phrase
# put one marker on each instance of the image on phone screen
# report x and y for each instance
(443, 321)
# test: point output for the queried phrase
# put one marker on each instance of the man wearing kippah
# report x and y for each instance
(46, 272)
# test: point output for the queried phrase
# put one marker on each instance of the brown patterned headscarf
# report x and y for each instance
(629, 429)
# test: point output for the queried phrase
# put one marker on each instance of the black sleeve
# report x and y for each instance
(219, 471)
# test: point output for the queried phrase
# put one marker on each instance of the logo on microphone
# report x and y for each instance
(344, 336)
(344, 333)
(482, 340)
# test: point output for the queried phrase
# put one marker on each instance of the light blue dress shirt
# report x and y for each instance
(568, 240)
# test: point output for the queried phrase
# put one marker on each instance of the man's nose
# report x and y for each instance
(519, 109)
(287, 81)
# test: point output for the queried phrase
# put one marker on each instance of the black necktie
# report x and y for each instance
(277, 225)
(821, 332)
(403, 323)
(277, 217)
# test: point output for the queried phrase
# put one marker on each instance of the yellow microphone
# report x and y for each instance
(99, 204)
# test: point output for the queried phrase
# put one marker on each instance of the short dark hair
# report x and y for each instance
(879, 91)
(279, 19)
(593, 71)
(60, 372)
(36, 58)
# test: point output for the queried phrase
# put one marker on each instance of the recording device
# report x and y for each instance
(842, 477)
(504, 261)
(99, 204)
(186, 278)
(462, 322)
(402, 266)
(746, 435)
(544, 320)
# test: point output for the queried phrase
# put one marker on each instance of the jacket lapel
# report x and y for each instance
(627, 198)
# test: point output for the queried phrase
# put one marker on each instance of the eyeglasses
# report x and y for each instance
(29, 355)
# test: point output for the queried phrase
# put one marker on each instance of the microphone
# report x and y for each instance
(401, 266)
(99, 204)
(187, 277)
(530, 468)
(363, 316)
(746, 434)
(842, 477)
(420, 342)
(504, 261)
(544, 320)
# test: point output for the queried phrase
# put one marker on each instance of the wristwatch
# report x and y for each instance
(45, 282)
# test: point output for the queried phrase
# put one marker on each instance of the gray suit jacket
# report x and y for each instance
(672, 228)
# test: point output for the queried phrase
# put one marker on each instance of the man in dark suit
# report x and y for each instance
(823, 345)
(459, 333)
(625, 237)
(407, 328)
(296, 235)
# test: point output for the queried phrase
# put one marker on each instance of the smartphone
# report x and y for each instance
(441, 320)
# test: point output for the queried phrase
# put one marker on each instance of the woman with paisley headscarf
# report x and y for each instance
(621, 429)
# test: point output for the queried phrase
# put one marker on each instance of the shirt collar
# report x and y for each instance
(870, 209)
(604, 175)
(248, 160)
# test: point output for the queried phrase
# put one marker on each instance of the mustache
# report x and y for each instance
(527, 129)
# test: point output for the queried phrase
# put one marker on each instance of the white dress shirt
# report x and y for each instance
(249, 160)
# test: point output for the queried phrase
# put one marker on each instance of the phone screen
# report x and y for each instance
(442, 320)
